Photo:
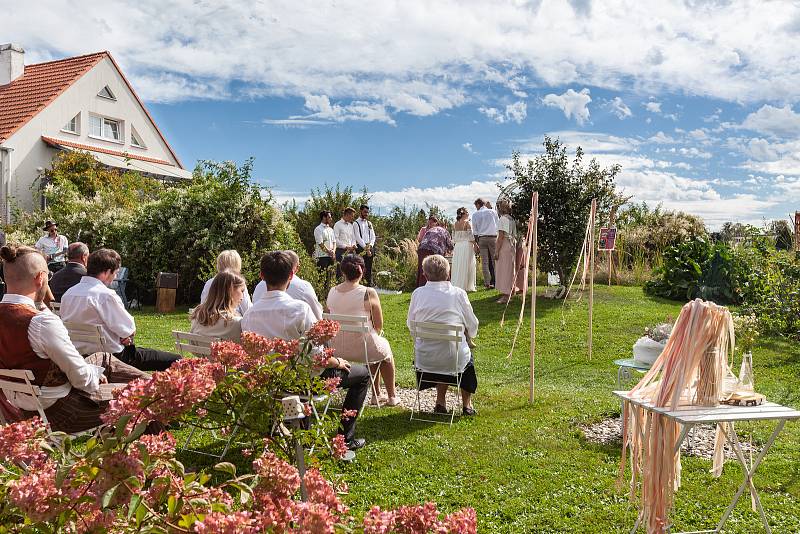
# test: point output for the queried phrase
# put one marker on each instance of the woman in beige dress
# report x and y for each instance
(217, 315)
(351, 298)
(505, 256)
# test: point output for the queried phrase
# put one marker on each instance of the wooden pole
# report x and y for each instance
(591, 248)
(535, 250)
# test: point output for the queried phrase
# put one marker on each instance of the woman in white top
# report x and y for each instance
(351, 298)
(463, 273)
(216, 316)
(229, 260)
(507, 280)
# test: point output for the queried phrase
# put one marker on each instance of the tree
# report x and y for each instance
(566, 190)
(784, 239)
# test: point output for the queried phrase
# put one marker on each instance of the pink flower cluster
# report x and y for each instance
(339, 446)
(277, 477)
(21, 442)
(420, 520)
(166, 394)
(322, 332)
(258, 346)
(348, 414)
(331, 384)
(35, 493)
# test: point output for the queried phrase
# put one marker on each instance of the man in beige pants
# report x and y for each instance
(484, 227)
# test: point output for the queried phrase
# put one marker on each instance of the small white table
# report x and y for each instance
(689, 416)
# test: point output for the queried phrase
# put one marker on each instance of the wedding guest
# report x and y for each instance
(463, 272)
(352, 298)
(53, 246)
(229, 260)
(73, 271)
(74, 389)
(217, 315)
(439, 301)
(432, 221)
(279, 315)
(345, 237)
(365, 241)
(298, 288)
(325, 241)
(505, 268)
(435, 241)
(484, 227)
(92, 302)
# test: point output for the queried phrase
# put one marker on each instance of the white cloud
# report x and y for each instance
(321, 108)
(515, 112)
(693, 152)
(698, 135)
(468, 148)
(653, 107)
(295, 123)
(662, 139)
(618, 108)
(777, 122)
(573, 104)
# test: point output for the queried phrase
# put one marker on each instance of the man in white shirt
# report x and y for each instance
(439, 301)
(53, 246)
(298, 289)
(365, 241)
(484, 227)
(92, 302)
(324, 241)
(276, 314)
(345, 237)
(74, 390)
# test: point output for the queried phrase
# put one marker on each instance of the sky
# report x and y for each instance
(424, 102)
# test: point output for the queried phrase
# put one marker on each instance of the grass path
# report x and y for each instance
(527, 468)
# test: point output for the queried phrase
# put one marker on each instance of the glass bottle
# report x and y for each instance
(746, 373)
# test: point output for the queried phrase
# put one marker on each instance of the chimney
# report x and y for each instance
(12, 63)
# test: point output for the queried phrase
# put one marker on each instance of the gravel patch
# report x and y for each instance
(699, 442)
(408, 397)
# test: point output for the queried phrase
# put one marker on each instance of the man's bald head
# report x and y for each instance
(21, 266)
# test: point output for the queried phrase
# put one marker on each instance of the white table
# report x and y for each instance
(689, 416)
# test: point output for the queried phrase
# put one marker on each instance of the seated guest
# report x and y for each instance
(439, 301)
(298, 288)
(277, 314)
(216, 316)
(229, 260)
(71, 274)
(36, 340)
(351, 298)
(92, 302)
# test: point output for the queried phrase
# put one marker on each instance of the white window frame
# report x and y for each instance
(103, 122)
(112, 97)
(134, 135)
(77, 130)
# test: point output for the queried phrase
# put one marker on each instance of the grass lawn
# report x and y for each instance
(527, 468)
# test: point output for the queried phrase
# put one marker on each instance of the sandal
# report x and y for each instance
(392, 401)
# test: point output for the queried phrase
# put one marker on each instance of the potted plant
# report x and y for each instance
(648, 348)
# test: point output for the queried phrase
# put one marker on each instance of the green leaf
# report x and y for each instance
(172, 505)
(122, 424)
(226, 467)
(108, 495)
(133, 506)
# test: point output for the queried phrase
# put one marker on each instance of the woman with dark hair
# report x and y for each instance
(352, 298)
(217, 315)
(463, 273)
(506, 272)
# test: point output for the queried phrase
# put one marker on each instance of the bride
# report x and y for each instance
(463, 272)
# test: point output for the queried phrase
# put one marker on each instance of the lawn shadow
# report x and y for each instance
(392, 426)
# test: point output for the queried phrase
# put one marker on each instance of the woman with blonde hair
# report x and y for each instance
(505, 254)
(229, 260)
(463, 273)
(216, 316)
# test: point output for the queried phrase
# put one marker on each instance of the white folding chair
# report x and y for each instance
(357, 324)
(87, 333)
(56, 308)
(453, 334)
(197, 344)
(21, 384)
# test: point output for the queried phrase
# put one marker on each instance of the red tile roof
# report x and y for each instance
(41, 83)
(56, 143)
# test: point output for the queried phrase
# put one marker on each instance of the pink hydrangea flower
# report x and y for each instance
(339, 446)
(321, 491)
(233, 523)
(378, 521)
(21, 442)
(313, 518)
(331, 384)
(276, 476)
(322, 332)
(348, 414)
(35, 492)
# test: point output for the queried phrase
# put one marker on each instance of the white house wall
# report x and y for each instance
(31, 153)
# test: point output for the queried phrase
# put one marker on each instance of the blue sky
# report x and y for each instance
(424, 102)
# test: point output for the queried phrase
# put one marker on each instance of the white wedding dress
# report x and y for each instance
(463, 271)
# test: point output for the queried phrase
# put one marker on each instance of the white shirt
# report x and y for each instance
(323, 235)
(277, 314)
(230, 328)
(484, 222)
(243, 306)
(343, 231)
(50, 246)
(441, 302)
(90, 302)
(298, 289)
(49, 340)
(364, 233)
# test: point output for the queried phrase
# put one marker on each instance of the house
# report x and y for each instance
(78, 103)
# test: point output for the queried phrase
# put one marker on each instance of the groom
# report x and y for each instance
(484, 227)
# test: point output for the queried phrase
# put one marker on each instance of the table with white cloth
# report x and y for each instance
(689, 416)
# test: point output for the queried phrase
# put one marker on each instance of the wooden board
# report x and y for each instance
(165, 300)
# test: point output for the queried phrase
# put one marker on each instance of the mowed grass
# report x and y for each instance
(527, 468)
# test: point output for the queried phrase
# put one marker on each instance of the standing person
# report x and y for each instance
(365, 241)
(436, 241)
(73, 271)
(53, 246)
(324, 241)
(463, 273)
(484, 228)
(432, 221)
(229, 260)
(92, 302)
(505, 254)
(345, 237)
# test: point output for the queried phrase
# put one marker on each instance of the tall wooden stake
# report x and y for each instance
(535, 249)
(591, 246)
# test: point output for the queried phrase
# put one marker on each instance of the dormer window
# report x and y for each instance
(104, 128)
(106, 93)
(73, 126)
(136, 139)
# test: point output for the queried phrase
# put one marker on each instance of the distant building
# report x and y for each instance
(79, 103)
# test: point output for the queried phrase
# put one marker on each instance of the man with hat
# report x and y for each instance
(53, 246)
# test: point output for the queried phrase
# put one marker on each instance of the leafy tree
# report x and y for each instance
(784, 238)
(566, 189)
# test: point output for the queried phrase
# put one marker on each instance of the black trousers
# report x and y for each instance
(324, 262)
(356, 382)
(368, 268)
(147, 359)
(340, 253)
